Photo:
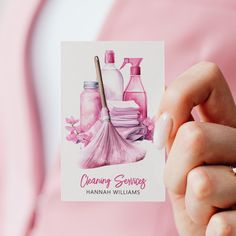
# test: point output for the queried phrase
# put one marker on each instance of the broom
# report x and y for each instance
(108, 147)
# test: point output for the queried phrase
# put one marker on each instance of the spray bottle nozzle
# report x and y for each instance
(135, 65)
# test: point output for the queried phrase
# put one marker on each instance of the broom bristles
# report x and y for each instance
(109, 148)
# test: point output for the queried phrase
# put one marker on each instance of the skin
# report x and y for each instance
(201, 184)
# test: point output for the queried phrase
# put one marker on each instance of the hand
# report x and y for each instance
(198, 176)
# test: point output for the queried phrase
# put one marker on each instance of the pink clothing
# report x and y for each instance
(21, 172)
(193, 30)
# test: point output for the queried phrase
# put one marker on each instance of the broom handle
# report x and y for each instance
(100, 82)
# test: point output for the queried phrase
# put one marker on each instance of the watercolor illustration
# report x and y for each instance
(113, 117)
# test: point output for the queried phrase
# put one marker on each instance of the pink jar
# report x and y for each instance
(90, 105)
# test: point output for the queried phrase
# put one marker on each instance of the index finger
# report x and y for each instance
(202, 85)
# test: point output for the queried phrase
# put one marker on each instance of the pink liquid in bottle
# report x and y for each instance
(90, 105)
(135, 91)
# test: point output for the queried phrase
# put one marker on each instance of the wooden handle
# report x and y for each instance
(100, 82)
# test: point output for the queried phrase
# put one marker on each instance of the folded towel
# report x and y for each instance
(123, 105)
(133, 133)
(125, 123)
(124, 109)
(122, 113)
(125, 117)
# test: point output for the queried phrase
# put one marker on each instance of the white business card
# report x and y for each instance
(110, 94)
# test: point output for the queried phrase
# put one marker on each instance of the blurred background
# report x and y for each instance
(2, 2)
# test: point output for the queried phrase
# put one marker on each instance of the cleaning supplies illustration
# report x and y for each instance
(113, 79)
(90, 105)
(108, 147)
(135, 90)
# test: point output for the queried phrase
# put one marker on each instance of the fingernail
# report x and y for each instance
(162, 130)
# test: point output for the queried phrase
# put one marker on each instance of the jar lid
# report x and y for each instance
(91, 84)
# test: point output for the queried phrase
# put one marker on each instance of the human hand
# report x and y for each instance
(198, 176)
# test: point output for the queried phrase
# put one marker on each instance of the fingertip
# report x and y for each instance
(218, 226)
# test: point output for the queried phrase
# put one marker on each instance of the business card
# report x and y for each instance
(110, 94)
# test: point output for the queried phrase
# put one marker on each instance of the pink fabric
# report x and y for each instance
(21, 170)
(193, 30)
(132, 133)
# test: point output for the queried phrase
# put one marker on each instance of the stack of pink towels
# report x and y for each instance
(125, 117)
(124, 113)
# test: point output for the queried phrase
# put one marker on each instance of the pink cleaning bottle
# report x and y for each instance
(135, 90)
(90, 105)
(112, 78)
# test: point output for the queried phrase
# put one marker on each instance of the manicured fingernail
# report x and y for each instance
(162, 130)
(234, 170)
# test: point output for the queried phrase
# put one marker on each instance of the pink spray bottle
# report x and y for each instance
(135, 90)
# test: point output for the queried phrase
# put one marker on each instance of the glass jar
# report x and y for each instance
(90, 105)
